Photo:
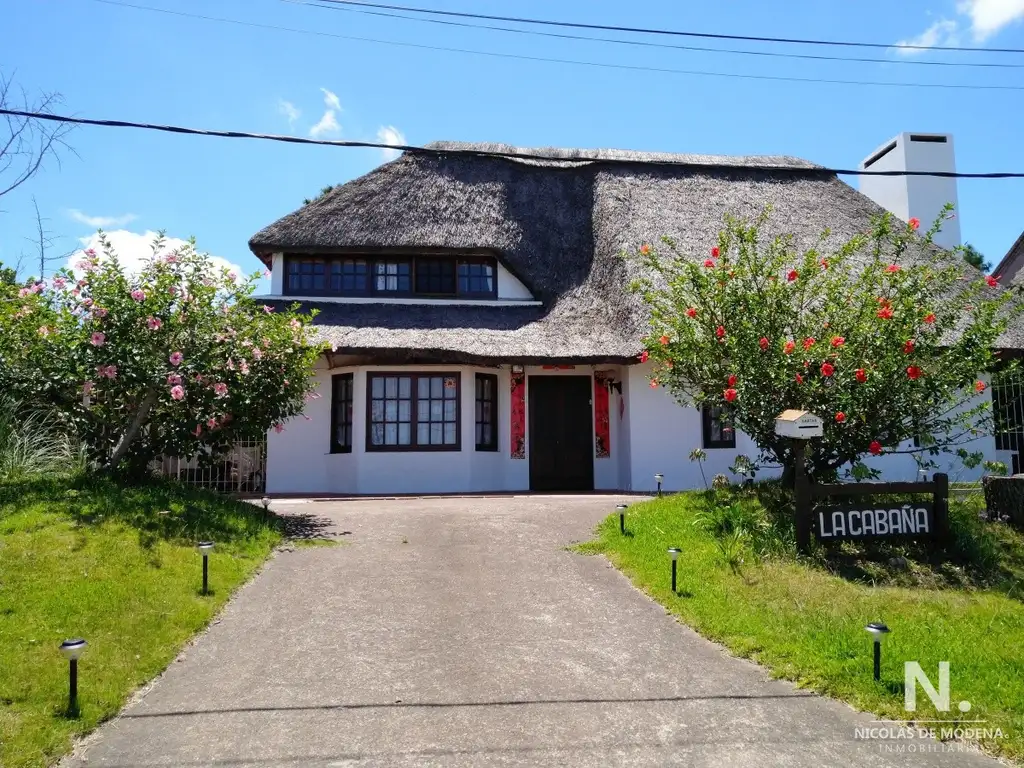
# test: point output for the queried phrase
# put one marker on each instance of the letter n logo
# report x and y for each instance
(913, 674)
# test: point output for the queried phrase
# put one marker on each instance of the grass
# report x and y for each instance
(118, 567)
(804, 618)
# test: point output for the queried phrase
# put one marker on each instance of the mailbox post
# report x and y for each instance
(799, 427)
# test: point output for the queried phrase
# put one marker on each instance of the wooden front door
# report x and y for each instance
(561, 433)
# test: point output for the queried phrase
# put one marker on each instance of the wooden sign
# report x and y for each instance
(862, 521)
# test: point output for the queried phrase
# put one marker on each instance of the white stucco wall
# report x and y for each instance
(299, 460)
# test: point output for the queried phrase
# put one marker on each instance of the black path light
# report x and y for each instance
(673, 552)
(621, 509)
(265, 501)
(659, 479)
(205, 547)
(72, 649)
(878, 631)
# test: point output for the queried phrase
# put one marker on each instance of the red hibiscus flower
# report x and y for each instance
(793, 275)
(799, 379)
(691, 312)
(824, 263)
(992, 282)
(729, 395)
(914, 373)
(885, 313)
(840, 417)
(908, 346)
(714, 252)
(875, 448)
(663, 341)
(654, 383)
(861, 375)
(763, 343)
(645, 249)
(788, 347)
(929, 318)
(979, 386)
(914, 223)
(644, 355)
(827, 369)
(893, 268)
(709, 263)
(720, 331)
(838, 341)
(731, 381)
(809, 342)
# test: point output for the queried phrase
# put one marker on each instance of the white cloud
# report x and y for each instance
(289, 110)
(100, 222)
(388, 134)
(942, 32)
(327, 126)
(990, 16)
(331, 100)
(134, 249)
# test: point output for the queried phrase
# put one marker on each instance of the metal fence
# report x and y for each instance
(242, 470)
(1008, 410)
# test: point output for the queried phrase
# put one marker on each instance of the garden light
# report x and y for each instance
(266, 503)
(205, 547)
(72, 649)
(659, 479)
(622, 517)
(878, 631)
(673, 552)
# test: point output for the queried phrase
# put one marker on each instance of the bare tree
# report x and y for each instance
(43, 242)
(26, 141)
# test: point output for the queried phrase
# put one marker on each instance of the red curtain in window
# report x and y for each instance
(518, 430)
(602, 426)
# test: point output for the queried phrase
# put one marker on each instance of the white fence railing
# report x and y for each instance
(242, 470)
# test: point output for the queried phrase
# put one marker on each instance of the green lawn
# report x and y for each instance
(804, 619)
(92, 559)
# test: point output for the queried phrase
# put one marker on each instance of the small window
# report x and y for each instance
(486, 412)
(341, 413)
(349, 276)
(306, 275)
(718, 432)
(392, 277)
(435, 277)
(476, 278)
(413, 412)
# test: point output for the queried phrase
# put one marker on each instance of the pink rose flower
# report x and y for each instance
(138, 295)
(23, 293)
(243, 367)
(59, 282)
(232, 276)
(178, 392)
(176, 358)
(98, 339)
(220, 389)
(110, 371)
(211, 422)
(279, 428)
(153, 323)
(268, 309)
(174, 379)
(256, 354)
(172, 290)
(90, 253)
(100, 312)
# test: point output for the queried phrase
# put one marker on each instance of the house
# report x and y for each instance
(1008, 270)
(481, 336)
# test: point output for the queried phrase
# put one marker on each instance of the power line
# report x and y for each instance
(437, 152)
(574, 62)
(671, 32)
(650, 44)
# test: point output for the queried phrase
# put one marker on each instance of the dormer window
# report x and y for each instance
(433, 276)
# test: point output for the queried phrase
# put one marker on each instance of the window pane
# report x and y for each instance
(449, 434)
(378, 387)
(436, 386)
(377, 410)
(391, 410)
(423, 387)
(391, 387)
(435, 276)
(449, 410)
(377, 434)
(391, 434)
(423, 434)
(435, 410)
(479, 433)
(404, 410)
(423, 410)
(405, 387)
(435, 434)
(404, 434)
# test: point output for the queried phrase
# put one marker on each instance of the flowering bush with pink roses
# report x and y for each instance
(883, 335)
(178, 359)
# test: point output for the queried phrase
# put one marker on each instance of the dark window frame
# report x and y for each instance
(495, 420)
(337, 418)
(414, 412)
(372, 260)
(707, 417)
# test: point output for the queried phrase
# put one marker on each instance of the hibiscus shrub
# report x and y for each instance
(884, 336)
(177, 360)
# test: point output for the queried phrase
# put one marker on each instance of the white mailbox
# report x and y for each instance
(799, 425)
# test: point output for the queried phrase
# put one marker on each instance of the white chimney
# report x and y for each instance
(921, 197)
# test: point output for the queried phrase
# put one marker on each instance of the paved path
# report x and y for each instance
(458, 632)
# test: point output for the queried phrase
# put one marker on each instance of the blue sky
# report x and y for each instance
(124, 63)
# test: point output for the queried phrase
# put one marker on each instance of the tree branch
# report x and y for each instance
(133, 429)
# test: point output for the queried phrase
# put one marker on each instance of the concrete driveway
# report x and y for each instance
(458, 632)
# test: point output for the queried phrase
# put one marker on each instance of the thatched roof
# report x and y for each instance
(559, 224)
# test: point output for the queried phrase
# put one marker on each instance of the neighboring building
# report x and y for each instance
(482, 336)
(1007, 271)
(920, 197)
